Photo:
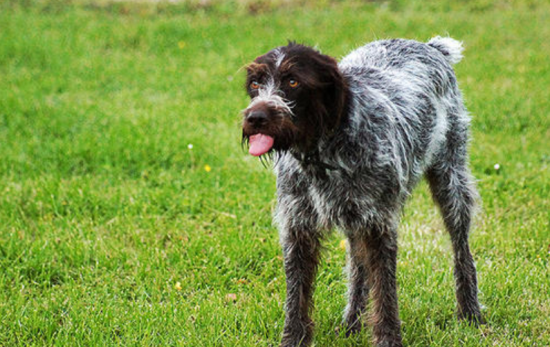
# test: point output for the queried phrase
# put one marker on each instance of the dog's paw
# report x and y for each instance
(347, 331)
(474, 318)
(299, 335)
(353, 328)
(296, 342)
(389, 343)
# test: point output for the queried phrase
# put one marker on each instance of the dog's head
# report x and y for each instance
(297, 96)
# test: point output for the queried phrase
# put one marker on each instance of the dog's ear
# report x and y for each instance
(334, 88)
(255, 68)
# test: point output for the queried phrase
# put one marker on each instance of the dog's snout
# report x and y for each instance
(257, 118)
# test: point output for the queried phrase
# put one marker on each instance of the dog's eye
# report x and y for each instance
(254, 85)
(293, 83)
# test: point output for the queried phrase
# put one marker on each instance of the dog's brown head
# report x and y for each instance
(297, 96)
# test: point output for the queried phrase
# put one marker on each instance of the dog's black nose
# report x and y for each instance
(257, 118)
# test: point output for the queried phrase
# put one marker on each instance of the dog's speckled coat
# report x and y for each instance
(403, 119)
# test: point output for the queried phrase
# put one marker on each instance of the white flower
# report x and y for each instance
(497, 167)
(190, 146)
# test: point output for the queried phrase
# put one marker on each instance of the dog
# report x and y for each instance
(349, 141)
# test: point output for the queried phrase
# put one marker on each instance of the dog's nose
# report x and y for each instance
(257, 118)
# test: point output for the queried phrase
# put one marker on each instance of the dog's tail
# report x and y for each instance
(451, 48)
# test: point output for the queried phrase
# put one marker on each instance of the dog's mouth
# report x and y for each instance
(260, 144)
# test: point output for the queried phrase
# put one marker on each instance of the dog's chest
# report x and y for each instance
(340, 201)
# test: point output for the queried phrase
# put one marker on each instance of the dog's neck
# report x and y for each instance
(312, 157)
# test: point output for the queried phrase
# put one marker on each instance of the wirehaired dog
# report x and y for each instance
(349, 141)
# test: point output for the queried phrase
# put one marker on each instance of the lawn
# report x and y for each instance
(131, 216)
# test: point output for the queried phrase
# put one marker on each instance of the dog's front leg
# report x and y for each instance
(301, 257)
(381, 249)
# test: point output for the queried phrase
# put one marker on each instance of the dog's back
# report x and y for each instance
(406, 55)
(406, 99)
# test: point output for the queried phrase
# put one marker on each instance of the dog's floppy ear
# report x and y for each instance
(255, 68)
(335, 90)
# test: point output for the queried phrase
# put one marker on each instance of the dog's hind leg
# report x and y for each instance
(453, 189)
(358, 289)
(381, 250)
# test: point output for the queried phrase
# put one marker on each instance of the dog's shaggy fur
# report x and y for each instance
(350, 141)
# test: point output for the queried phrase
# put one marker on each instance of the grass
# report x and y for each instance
(114, 232)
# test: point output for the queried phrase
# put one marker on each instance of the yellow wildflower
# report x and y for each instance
(343, 244)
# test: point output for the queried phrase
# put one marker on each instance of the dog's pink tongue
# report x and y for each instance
(260, 144)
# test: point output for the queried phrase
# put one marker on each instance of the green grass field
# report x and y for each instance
(130, 215)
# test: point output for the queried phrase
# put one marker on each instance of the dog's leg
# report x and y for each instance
(381, 249)
(301, 257)
(454, 191)
(358, 290)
